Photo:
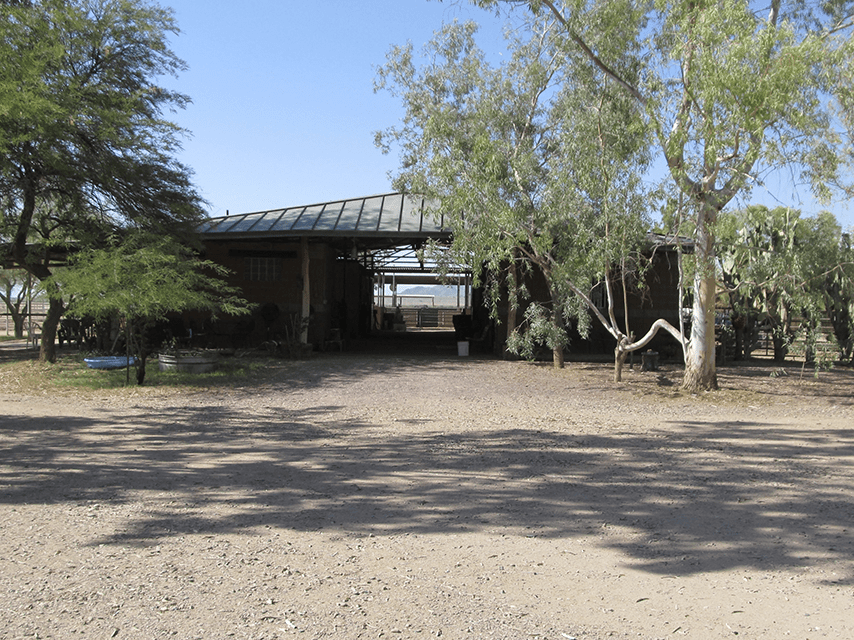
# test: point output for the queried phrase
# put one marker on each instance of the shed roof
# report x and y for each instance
(375, 221)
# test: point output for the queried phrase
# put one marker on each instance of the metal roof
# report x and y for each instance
(381, 220)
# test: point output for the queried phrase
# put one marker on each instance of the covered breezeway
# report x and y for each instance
(341, 264)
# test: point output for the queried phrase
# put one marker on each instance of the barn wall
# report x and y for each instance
(658, 298)
(278, 302)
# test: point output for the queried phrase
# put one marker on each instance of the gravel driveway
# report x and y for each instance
(387, 496)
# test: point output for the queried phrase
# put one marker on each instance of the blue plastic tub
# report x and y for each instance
(109, 362)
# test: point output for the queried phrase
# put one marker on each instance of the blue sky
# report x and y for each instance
(284, 112)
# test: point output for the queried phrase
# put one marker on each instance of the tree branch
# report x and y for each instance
(600, 64)
(653, 330)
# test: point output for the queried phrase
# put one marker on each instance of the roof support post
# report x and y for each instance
(306, 289)
(394, 290)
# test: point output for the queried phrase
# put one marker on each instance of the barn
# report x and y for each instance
(340, 264)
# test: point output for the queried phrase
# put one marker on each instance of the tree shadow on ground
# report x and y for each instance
(777, 380)
(680, 498)
(17, 351)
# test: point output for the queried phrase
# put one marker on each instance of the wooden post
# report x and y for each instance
(306, 290)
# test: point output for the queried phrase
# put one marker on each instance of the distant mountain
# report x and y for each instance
(443, 296)
(438, 290)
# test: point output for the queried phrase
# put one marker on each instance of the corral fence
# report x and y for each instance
(761, 340)
(32, 322)
(417, 318)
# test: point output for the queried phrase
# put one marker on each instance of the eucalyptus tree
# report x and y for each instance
(732, 89)
(84, 143)
(535, 163)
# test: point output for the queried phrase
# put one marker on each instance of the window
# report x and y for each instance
(262, 269)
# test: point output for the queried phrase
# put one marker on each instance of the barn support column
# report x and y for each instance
(306, 289)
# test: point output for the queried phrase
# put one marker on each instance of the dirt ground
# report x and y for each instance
(414, 496)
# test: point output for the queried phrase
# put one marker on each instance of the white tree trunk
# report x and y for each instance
(700, 371)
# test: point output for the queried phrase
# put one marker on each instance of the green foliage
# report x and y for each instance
(145, 277)
(142, 278)
(732, 91)
(81, 122)
(538, 329)
(85, 148)
(778, 267)
(532, 161)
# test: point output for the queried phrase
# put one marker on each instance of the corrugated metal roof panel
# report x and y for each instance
(308, 219)
(286, 220)
(268, 220)
(370, 218)
(220, 225)
(246, 223)
(350, 213)
(328, 219)
(384, 216)
(411, 216)
(390, 217)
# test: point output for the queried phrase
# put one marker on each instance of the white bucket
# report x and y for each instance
(463, 348)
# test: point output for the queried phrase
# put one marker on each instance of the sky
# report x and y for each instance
(283, 109)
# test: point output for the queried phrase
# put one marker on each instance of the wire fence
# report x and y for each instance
(32, 322)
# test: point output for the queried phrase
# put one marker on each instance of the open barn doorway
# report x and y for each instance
(414, 308)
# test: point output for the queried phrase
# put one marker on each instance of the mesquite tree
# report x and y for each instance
(84, 145)
(141, 278)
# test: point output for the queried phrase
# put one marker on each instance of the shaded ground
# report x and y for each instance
(381, 495)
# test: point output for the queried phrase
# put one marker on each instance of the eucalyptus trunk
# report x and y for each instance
(557, 358)
(557, 349)
(700, 370)
(620, 356)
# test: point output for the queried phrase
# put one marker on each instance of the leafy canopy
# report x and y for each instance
(733, 89)
(86, 148)
(82, 127)
(533, 161)
(146, 277)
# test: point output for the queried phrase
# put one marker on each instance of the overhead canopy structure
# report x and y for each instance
(384, 231)
(379, 222)
(371, 242)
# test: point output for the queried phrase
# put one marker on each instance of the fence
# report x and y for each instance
(761, 340)
(32, 323)
(435, 318)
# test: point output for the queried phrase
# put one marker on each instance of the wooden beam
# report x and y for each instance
(306, 289)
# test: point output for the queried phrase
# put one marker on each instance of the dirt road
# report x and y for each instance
(410, 497)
